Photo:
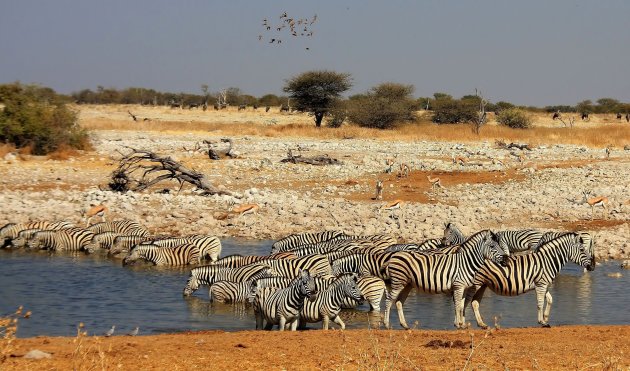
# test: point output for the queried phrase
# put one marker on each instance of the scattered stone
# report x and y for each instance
(37, 354)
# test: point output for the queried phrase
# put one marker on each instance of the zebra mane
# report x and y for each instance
(552, 245)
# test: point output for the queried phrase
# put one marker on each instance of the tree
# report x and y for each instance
(270, 100)
(317, 91)
(383, 106)
(608, 105)
(454, 111)
(515, 118)
(38, 117)
(585, 106)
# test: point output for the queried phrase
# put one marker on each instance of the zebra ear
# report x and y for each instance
(447, 225)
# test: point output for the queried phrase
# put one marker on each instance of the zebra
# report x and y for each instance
(209, 246)
(440, 273)
(232, 292)
(22, 238)
(315, 264)
(236, 260)
(403, 247)
(73, 239)
(430, 244)
(374, 265)
(124, 227)
(328, 303)
(124, 243)
(293, 241)
(372, 290)
(327, 247)
(452, 235)
(178, 255)
(209, 274)
(524, 273)
(102, 240)
(283, 306)
(11, 230)
(586, 237)
(347, 264)
(277, 282)
(519, 240)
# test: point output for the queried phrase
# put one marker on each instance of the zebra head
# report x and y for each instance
(578, 254)
(452, 235)
(350, 288)
(35, 241)
(491, 250)
(251, 292)
(134, 254)
(192, 284)
(306, 284)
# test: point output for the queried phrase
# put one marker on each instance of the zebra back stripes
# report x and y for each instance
(315, 264)
(209, 274)
(293, 241)
(125, 243)
(327, 303)
(527, 272)
(23, 237)
(124, 227)
(72, 239)
(11, 230)
(102, 240)
(437, 273)
(347, 264)
(233, 292)
(519, 240)
(178, 255)
(236, 260)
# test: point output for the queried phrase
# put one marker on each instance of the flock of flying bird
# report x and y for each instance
(294, 27)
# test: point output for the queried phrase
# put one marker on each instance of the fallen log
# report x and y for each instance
(316, 160)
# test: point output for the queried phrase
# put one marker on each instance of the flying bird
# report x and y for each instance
(259, 37)
(272, 41)
(110, 332)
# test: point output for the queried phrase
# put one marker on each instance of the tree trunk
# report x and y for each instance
(319, 116)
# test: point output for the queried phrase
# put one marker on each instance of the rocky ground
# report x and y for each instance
(542, 190)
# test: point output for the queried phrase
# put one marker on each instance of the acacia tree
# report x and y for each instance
(317, 91)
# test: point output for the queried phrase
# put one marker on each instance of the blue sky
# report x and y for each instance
(526, 52)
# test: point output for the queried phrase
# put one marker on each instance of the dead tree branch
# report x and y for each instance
(152, 169)
(317, 160)
(215, 154)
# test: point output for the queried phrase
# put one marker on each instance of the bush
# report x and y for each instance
(453, 111)
(515, 118)
(41, 121)
(383, 106)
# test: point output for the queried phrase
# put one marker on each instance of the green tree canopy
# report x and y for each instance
(317, 91)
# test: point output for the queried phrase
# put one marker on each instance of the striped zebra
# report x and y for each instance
(11, 230)
(440, 273)
(72, 239)
(402, 247)
(22, 238)
(232, 292)
(277, 282)
(374, 265)
(366, 245)
(209, 274)
(527, 272)
(209, 246)
(519, 240)
(315, 264)
(328, 303)
(347, 264)
(295, 240)
(372, 290)
(102, 241)
(236, 260)
(586, 237)
(430, 244)
(125, 243)
(452, 235)
(124, 227)
(282, 307)
(178, 255)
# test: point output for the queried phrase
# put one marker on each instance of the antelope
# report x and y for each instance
(391, 206)
(496, 161)
(595, 201)
(98, 210)
(460, 160)
(390, 164)
(379, 190)
(404, 170)
(608, 149)
(244, 209)
(435, 182)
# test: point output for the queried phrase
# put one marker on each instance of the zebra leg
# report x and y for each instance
(294, 324)
(338, 321)
(283, 322)
(268, 326)
(547, 307)
(399, 305)
(476, 300)
(459, 299)
(541, 291)
(326, 321)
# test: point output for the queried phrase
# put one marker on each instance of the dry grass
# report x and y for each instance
(63, 153)
(594, 135)
(8, 329)
(6, 148)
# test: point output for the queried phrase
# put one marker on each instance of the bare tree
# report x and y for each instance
(481, 118)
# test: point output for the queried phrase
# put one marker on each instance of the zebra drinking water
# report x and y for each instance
(178, 255)
(209, 274)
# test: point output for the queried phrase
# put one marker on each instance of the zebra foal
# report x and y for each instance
(328, 303)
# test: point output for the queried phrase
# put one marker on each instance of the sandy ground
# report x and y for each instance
(566, 347)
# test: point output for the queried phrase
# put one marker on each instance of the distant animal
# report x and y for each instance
(97, 210)
(244, 209)
(627, 117)
(242, 107)
(435, 182)
(132, 116)
(460, 160)
(193, 105)
(619, 116)
(391, 206)
(556, 115)
(111, 331)
(379, 190)
(595, 201)
(134, 332)
(216, 107)
(267, 108)
(404, 170)
(284, 108)
(584, 116)
(390, 164)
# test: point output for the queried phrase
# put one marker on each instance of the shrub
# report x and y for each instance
(41, 121)
(383, 106)
(453, 111)
(515, 118)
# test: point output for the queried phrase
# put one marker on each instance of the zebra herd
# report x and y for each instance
(311, 277)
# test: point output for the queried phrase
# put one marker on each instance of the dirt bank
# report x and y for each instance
(566, 347)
